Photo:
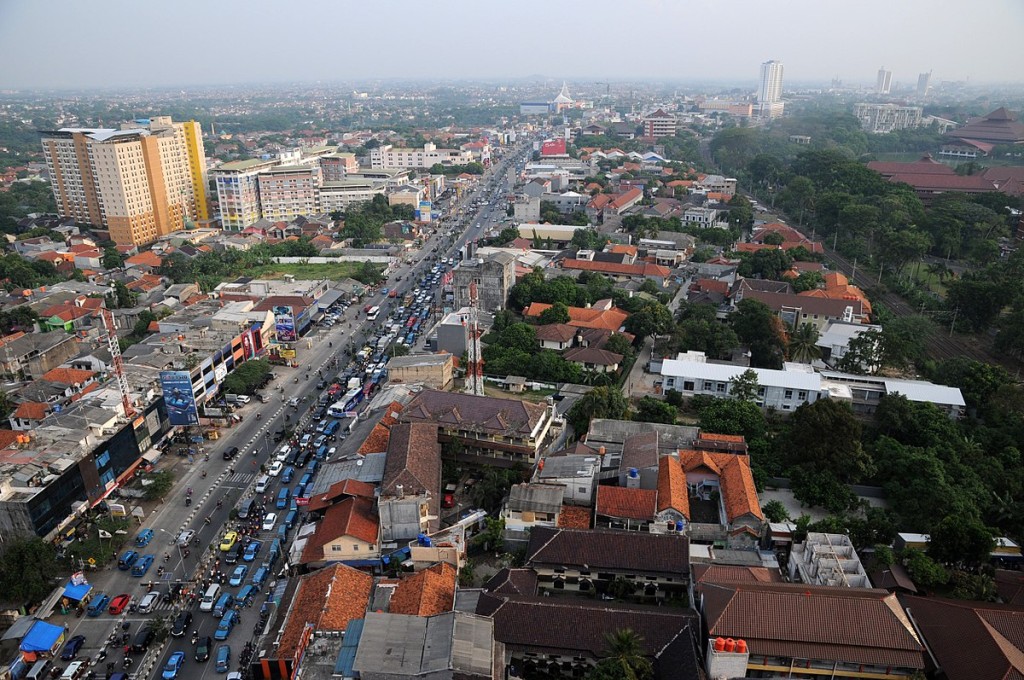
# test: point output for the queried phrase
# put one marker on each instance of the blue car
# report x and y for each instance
(144, 537)
(174, 665)
(238, 575)
(226, 624)
(127, 560)
(142, 565)
(251, 551)
(99, 604)
(287, 475)
(223, 659)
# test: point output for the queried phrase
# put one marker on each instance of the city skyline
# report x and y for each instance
(192, 49)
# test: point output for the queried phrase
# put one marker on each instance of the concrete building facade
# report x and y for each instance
(494, 277)
(388, 156)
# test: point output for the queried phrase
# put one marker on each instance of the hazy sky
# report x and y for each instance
(113, 43)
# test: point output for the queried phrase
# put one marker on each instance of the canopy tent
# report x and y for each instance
(43, 637)
(79, 592)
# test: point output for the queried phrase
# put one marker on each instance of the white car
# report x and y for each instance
(146, 605)
(283, 453)
(269, 521)
(276, 468)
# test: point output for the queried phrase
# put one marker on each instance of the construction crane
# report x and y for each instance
(115, 355)
(475, 362)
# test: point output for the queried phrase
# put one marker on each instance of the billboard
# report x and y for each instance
(553, 147)
(220, 371)
(423, 212)
(248, 346)
(284, 324)
(178, 398)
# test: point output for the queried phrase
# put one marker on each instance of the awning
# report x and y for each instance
(329, 298)
(152, 456)
(44, 637)
(73, 592)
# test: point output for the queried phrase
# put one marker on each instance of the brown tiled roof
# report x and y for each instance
(729, 573)
(626, 503)
(592, 355)
(328, 599)
(893, 577)
(640, 451)
(574, 517)
(147, 258)
(971, 640)
(426, 593)
(927, 182)
(466, 411)
(808, 305)
(672, 491)
(638, 269)
(391, 414)
(513, 582)
(1010, 585)
(31, 410)
(998, 127)
(346, 487)
(351, 517)
(556, 332)
(609, 550)
(796, 620)
(376, 441)
(624, 198)
(413, 460)
(739, 495)
(585, 317)
(67, 376)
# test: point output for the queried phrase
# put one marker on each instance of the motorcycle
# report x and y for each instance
(258, 416)
(188, 501)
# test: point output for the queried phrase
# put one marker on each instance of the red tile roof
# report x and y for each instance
(644, 269)
(426, 593)
(585, 317)
(351, 517)
(146, 258)
(626, 198)
(31, 410)
(728, 573)
(346, 487)
(376, 441)
(574, 517)
(739, 494)
(592, 355)
(625, 503)
(672, 491)
(328, 599)
(68, 376)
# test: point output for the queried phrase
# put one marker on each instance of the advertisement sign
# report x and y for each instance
(284, 324)
(301, 500)
(287, 353)
(423, 213)
(181, 404)
(220, 371)
(553, 147)
(248, 346)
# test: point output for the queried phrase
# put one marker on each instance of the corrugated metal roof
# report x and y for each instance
(766, 377)
(347, 653)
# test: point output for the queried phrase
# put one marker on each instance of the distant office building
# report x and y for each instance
(288, 191)
(140, 182)
(924, 82)
(884, 82)
(769, 91)
(885, 118)
(388, 156)
(659, 124)
(336, 167)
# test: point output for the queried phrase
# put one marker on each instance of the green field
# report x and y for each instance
(329, 270)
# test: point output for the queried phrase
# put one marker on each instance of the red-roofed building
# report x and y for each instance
(325, 601)
(624, 201)
(929, 177)
(624, 507)
(426, 593)
(145, 260)
(29, 415)
(609, 318)
(640, 270)
(349, 532)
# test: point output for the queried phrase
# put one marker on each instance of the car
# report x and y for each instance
(181, 623)
(306, 439)
(230, 453)
(203, 646)
(320, 441)
(223, 659)
(231, 556)
(142, 639)
(142, 565)
(269, 521)
(294, 401)
(148, 601)
(118, 604)
(144, 537)
(173, 666)
(251, 551)
(127, 560)
(238, 575)
(229, 540)
(185, 538)
(287, 475)
(283, 453)
(275, 468)
(226, 624)
(71, 648)
(279, 435)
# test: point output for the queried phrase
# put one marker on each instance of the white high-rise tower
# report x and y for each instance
(884, 83)
(769, 92)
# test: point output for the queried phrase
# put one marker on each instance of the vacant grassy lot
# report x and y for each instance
(330, 270)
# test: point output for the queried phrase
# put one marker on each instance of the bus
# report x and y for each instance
(372, 314)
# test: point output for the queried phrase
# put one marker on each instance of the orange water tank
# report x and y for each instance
(730, 645)
(741, 646)
(719, 644)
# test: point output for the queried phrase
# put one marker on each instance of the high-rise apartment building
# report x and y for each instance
(659, 124)
(924, 82)
(884, 83)
(769, 91)
(886, 118)
(238, 191)
(288, 191)
(140, 182)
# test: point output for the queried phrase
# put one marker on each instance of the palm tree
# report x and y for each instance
(803, 346)
(624, 659)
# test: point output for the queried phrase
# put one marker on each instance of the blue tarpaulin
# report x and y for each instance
(42, 638)
(73, 592)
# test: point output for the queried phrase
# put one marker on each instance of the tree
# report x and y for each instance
(556, 313)
(923, 570)
(774, 239)
(803, 344)
(112, 258)
(863, 353)
(652, 410)
(730, 416)
(808, 281)
(839, 453)
(28, 570)
(761, 330)
(624, 659)
(653, 319)
(960, 540)
(600, 402)
(160, 483)
(745, 386)
(122, 297)
(905, 340)
(618, 343)
(775, 511)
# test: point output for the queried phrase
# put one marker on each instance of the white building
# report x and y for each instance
(338, 195)
(238, 192)
(769, 90)
(577, 474)
(884, 82)
(884, 118)
(390, 157)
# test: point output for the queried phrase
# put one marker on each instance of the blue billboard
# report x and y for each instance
(284, 324)
(178, 398)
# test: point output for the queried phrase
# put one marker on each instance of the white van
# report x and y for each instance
(209, 598)
(262, 483)
(75, 670)
(40, 670)
(236, 399)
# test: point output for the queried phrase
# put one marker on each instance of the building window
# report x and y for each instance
(802, 395)
(355, 548)
(687, 386)
(789, 394)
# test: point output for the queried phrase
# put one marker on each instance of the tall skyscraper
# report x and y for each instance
(924, 82)
(884, 83)
(769, 92)
(140, 182)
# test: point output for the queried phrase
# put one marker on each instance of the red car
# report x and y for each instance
(118, 604)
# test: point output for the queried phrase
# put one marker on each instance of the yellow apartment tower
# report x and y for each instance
(141, 182)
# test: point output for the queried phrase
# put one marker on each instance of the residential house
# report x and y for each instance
(723, 503)
(410, 496)
(585, 261)
(530, 505)
(428, 592)
(796, 310)
(33, 354)
(839, 632)
(602, 314)
(827, 560)
(624, 201)
(576, 474)
(556, 336)
(349, 533)
(593, 359)
(627, 508)
(490, 430)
